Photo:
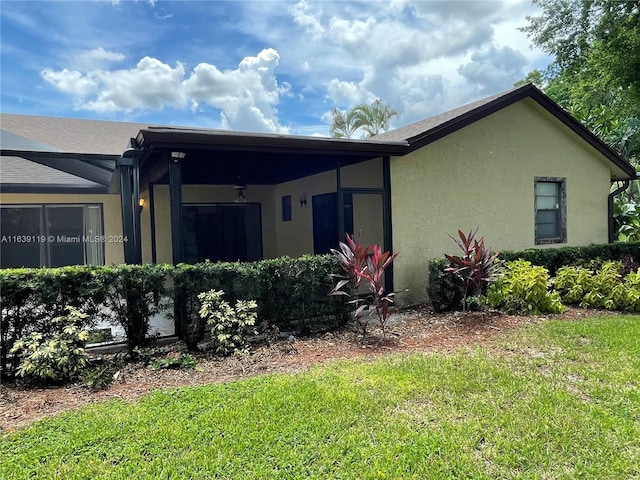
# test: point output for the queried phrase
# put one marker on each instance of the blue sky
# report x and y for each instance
(264, 66)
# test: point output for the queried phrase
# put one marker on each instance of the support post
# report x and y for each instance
(175, 196)
(340, 219)
(125, 166)
(135, 177)
(386, 219)
(152, 214)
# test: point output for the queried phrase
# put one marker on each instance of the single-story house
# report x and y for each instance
(515, 164)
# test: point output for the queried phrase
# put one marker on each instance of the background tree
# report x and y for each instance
(372, 119)
(343, 124)
(595, 73)
(596, 49)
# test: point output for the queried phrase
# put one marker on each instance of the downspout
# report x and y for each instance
(612, 221)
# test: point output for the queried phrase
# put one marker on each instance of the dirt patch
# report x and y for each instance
(413, 330)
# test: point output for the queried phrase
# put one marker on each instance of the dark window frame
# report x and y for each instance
(286, 208)
(562, 210)
(45, 252)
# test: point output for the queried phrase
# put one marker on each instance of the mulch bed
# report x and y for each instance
(414, 330)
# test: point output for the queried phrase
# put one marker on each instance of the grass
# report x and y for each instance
(559, 400)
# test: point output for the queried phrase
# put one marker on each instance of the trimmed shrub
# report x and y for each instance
(31, 297)
(133, 295)
(555, 258)
(291, 293)
(445, 291)
(522, 288)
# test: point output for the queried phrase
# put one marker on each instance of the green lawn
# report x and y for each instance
(558, 400)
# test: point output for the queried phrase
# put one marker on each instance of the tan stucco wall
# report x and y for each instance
(483, 176)
(113, 250)
(295, 237)
(367, 218)
(362, 175)
(262, 194)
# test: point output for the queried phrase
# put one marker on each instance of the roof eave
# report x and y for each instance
(202, 140)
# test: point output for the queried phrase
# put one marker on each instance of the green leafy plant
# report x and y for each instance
(523, 288)
(627, 217)
(476, 266)
(142, 355)
(57, 357)
(632, 292)
(604, 288)
(173, 361)
(365, 265)
(229, 325)
(99, 375)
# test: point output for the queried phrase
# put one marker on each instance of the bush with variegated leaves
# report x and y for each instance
(55, 357)
(229, 326)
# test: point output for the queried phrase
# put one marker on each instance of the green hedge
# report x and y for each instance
(291, 293)
(445, 293)
(555, 258)
(31, 297)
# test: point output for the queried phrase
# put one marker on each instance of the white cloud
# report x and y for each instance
(492, 68)
(96, 58)
(302, 17)
(347, 93)
(71, 82)
(246, 96)
(420, 57)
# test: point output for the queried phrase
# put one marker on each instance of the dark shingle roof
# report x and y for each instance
(18, 172)
(415, 130)
(73, 135)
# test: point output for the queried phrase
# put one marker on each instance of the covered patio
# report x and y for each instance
(205, 192)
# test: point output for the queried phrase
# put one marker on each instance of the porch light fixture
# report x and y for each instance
(303, 200)
(240, 189)
(141, 203)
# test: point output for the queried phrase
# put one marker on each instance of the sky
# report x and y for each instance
(257, 66)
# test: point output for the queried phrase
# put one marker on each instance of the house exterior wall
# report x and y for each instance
(483, 176)
(112, 217)
(295, 237)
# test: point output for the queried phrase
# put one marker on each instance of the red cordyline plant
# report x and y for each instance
(364, 265)
(476, 266)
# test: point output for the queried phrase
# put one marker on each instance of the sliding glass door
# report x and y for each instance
(222, 232)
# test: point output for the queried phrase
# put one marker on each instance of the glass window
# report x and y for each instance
(286, 208)
(51, 235)
(550, 216)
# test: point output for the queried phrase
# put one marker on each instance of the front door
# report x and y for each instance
(326, 231)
